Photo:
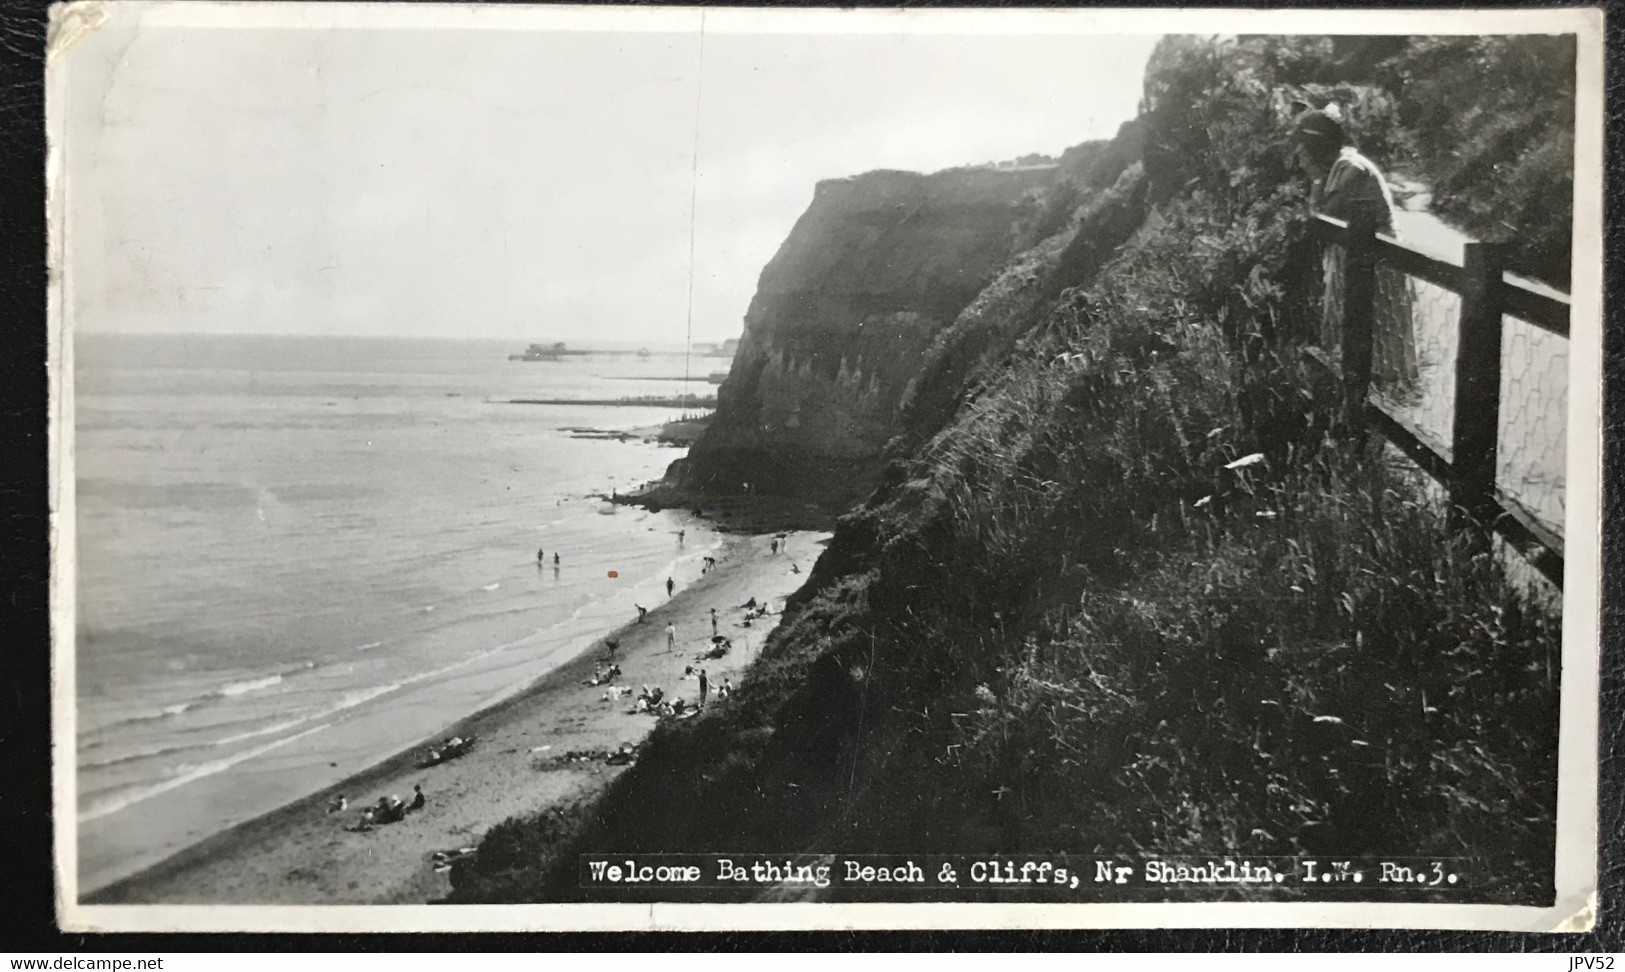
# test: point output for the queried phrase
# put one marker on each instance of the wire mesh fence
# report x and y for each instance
(1415, 324)
(1532, 450)
(1428, 403)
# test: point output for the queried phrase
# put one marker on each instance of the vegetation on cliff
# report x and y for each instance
(1486, 122)
(1124, 587)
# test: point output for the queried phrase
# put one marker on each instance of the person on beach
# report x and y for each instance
(388, 809)
(339, 804)
(725, 689)
(555, 558)
(671, 585)
(705, 687)
(713, 622)
(773, 546)
(540, 556)
(680, 537)
(1348, 186)
(671, 637)
(417, 798)
(642, 612)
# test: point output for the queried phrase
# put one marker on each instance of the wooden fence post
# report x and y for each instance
(1359, 303)
(1477, 421)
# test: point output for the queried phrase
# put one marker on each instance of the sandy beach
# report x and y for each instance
(302, 854)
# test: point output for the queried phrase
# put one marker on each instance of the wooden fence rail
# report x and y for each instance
(1468, 472)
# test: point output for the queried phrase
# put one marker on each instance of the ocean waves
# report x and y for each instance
(229, 662)
(234, 689)
(119, 799)
(230, 690)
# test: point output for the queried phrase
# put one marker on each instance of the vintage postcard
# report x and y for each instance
(548, 467)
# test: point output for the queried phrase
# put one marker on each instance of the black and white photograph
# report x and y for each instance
(682, 468)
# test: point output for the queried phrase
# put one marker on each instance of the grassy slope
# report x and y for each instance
(1062, 625)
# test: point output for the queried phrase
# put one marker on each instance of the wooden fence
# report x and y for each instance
(1468, 472)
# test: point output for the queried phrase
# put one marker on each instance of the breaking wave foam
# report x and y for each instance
(234, 689)
(185, 775)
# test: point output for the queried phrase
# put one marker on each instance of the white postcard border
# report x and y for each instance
(1576, 873)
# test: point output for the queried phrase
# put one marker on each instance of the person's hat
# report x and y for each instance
(1322, 123)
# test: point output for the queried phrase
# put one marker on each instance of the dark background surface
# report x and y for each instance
(27, 922)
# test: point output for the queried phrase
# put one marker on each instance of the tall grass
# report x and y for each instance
(1136, 593)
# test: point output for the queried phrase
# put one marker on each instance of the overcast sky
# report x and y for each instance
(516, 184)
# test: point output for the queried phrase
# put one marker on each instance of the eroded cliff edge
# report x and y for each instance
(844, 314)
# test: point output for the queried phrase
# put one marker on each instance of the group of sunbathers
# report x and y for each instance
(753, 611)
(389, 809)
(443, 860)
(648, 700)
(450, 749)
(654, 702)
(604, 676)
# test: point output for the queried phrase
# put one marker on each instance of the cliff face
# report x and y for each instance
(877, 266)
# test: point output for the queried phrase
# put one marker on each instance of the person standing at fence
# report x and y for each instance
(1348, 186)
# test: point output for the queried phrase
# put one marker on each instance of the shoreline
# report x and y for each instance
(299, 854)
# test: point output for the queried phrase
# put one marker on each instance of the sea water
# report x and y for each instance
(297, 556)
